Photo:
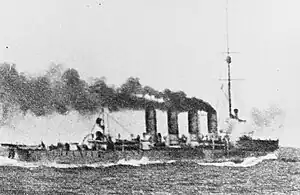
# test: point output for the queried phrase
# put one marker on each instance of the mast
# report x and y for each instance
(228, 60)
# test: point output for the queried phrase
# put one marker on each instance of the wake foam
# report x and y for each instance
(248, 162)
(132, 162)
(4, 161)
(142, 161)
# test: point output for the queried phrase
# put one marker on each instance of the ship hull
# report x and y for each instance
(257, 145)
(206, 153)
(163, 155)
(100, 156)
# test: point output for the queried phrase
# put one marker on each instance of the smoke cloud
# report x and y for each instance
(268, 121)
(263, 123)
(61, 90)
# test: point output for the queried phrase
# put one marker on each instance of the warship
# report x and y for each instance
(100, 147)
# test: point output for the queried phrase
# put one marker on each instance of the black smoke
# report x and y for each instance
(61, 91)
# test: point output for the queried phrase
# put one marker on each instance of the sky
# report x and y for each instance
(167, 44)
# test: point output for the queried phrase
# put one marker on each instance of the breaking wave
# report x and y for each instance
(4, 161)
(132, 162)
(248, 162)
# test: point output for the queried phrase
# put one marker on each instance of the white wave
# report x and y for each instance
(4, 161)
(142, 161)
(248, 162)
(132, 162)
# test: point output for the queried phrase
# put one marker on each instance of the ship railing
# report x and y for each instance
(126, 145)
(213, 144)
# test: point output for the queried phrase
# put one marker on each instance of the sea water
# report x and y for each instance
(261, 175)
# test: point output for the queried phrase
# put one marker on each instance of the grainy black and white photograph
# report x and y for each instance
(159, 97)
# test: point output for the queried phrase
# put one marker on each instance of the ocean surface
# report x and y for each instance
(271, 174)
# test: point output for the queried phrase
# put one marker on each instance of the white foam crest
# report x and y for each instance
(4, 161)
(248, 162)
(142, 161)
(131, 162)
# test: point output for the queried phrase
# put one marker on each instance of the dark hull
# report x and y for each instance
(207, 153)
(257, 145)
(90, 157)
